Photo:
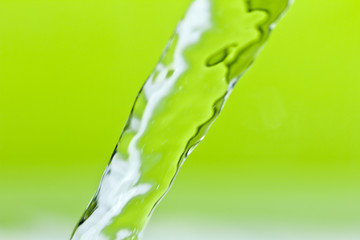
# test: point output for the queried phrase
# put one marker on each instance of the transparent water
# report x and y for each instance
(212, 48)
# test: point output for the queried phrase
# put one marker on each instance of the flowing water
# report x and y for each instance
(212, 48)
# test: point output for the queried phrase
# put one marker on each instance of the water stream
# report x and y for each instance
(211, 49)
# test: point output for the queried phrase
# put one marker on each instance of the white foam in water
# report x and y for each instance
(120, 182)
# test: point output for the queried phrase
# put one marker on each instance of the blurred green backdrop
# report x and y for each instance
(286, 147)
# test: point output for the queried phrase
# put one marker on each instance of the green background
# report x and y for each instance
(285, 148)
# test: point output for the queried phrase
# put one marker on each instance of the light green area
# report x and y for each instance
(284, 149)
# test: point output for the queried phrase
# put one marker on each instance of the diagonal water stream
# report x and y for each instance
(212, 47)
